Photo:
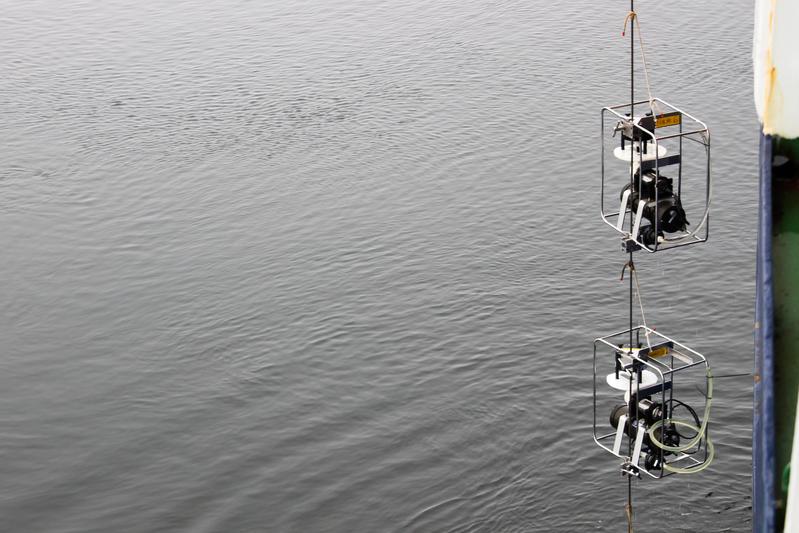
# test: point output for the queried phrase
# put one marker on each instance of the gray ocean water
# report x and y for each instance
(337, 265)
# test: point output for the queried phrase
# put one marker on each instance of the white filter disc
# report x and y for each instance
(625, 154)
(623, 381)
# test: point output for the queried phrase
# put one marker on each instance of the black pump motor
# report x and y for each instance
(667, 211)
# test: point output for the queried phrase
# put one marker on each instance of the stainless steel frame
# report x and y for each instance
(687, 360)
(697, 133)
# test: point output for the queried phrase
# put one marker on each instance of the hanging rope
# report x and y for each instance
(629, 511)
(632, 18)
(634, 274)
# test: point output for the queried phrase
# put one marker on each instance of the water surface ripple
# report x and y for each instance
(337, 265)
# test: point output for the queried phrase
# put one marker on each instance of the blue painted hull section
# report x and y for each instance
(763, 454)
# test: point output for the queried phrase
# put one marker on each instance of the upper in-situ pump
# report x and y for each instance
(667, 156)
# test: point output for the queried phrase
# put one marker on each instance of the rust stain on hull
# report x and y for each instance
(772, 107)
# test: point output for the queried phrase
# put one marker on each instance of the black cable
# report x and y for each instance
(633, 370)
(693, 415)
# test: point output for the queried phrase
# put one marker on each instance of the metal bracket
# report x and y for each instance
(629, 469)
(619, 434)
(629, 245)
(639, 440)
(639, 214)
(623, 209)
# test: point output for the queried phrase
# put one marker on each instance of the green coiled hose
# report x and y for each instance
(700, 434)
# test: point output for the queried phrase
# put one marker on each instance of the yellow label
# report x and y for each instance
(659, 352)
(667, 120)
